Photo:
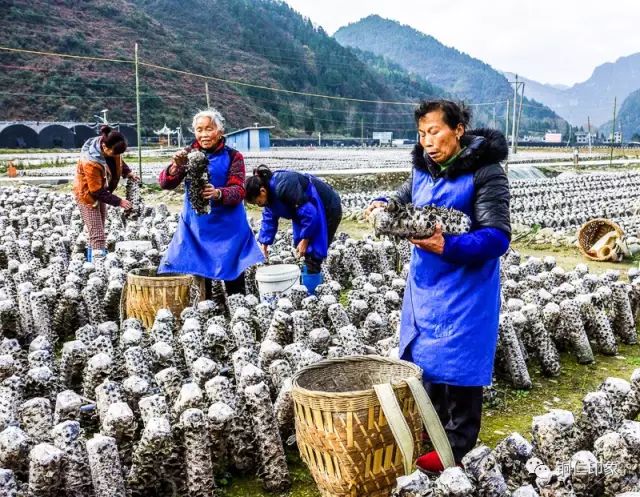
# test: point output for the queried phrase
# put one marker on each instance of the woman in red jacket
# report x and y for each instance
(98, 173)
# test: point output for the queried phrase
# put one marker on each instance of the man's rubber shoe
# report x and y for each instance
(430, 463)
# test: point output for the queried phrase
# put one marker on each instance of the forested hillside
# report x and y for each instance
(259, 42)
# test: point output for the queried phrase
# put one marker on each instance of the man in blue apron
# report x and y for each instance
(449, 324)
(219, 245)
(312, 205)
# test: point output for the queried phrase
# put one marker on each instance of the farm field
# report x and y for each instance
(545, 278)
(324, 159)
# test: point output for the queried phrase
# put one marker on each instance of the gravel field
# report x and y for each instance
(299, 158)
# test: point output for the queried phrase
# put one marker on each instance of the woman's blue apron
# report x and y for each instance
(219, 245)
(450, 312)
(319, 236)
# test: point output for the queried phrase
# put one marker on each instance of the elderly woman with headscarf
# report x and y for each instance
(451, 307)
(220, 244)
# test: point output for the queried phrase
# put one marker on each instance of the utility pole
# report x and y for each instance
(506, 134)
(519, 113)
(361, 132)
(516, 113)
(613, 130)
(206, 90)
(506, 121)
(138, 116)
(514, 146)
(319, 138)
(589, 132)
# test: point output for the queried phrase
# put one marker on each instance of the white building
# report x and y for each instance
(582, 137)
(385, 137)
(617, 137)
(550, 137)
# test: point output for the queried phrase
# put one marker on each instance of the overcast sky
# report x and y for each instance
(550, 41)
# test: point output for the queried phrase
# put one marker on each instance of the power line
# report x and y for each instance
(67, 56)
(304, 58)
(210, 78)
(225, 80)
(170, 95)
(85, 84)
(132, 97)
(397, 125)
(57, 70)
(483, 104)
(279, 90)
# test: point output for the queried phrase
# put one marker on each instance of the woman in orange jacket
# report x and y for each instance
(99, 170)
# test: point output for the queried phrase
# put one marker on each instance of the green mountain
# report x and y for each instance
(402, 81)
(456, 72)
(627, 120)
(260, 42)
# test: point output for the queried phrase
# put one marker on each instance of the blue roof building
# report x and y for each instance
(251, 139)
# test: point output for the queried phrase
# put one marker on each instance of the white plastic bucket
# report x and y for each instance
(276, 281)
(139, 246)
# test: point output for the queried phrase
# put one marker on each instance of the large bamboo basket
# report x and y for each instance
(145, 293)
(342, 433)
(591, 231)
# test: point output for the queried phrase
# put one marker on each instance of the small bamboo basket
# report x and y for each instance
(145, 293)
(591, 231)
(342, 433)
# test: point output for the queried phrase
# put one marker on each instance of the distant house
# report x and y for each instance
(252, 139)
(551, 137)
(385, 137)
(617, 137)
(582, 137)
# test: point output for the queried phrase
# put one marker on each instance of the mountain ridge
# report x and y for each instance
(593, 98)
(457, 72)
(260, 42)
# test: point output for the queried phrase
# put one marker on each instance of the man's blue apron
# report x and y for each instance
(219, 245)
(319, 236)
(450, 312)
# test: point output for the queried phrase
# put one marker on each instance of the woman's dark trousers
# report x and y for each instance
(459, 410)
(333, 217)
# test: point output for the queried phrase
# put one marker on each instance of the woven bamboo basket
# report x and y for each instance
(145, 293)
(342, 433)
(591, 231)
